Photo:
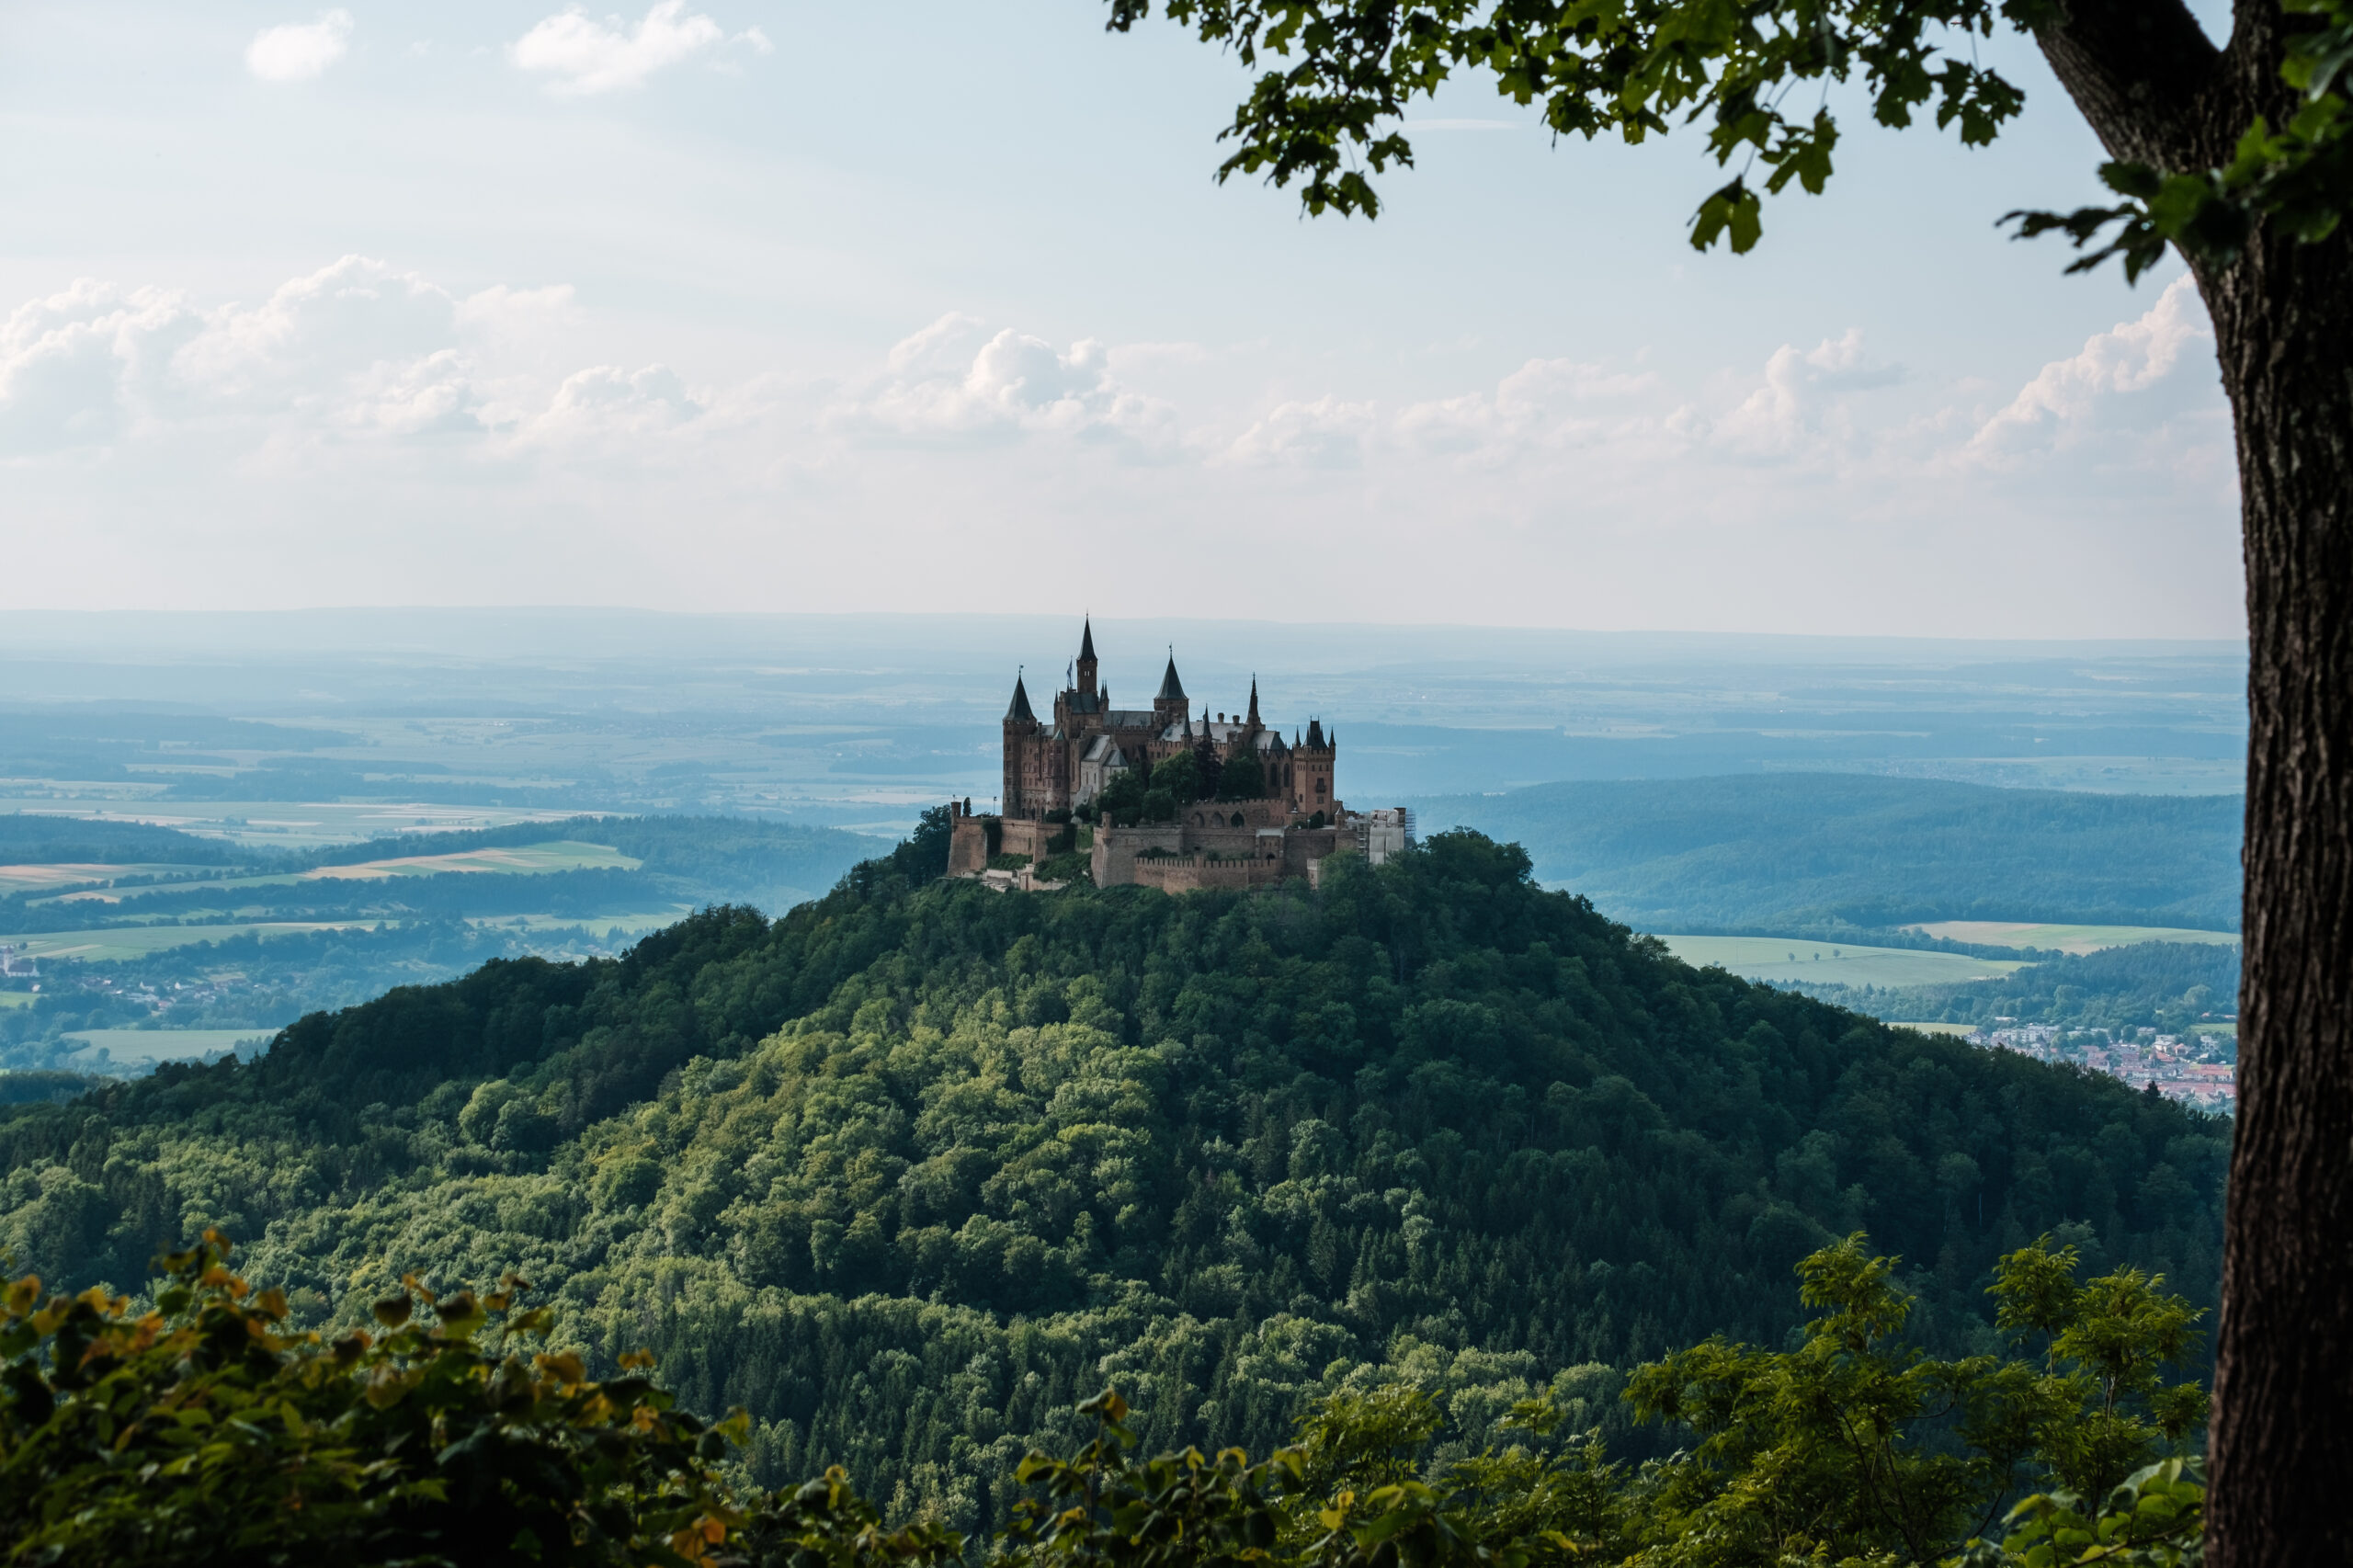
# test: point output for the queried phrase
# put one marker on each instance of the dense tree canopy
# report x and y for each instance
(448, 1430)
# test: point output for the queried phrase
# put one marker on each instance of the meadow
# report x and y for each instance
(107, 943)
(2065, 938)
(523, 861)
(146, 1047)
(262, 824)
(29, 879)
(1782, 960)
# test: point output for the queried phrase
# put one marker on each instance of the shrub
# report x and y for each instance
(206, 1431)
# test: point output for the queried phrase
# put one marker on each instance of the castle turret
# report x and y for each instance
(1312, 768)
(1087, 659)
(1254, 725)
(1021, 746)
(1170, 707)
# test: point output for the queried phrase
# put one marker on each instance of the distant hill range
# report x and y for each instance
(683, 861)
(1811, 850)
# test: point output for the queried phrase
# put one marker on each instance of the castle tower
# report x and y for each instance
(1087, 659)
(1170, 707)
(1021, 745)
(1254, 726)
(1312, 763)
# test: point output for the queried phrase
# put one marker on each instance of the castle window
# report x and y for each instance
(1319, 788)
(1237, 819)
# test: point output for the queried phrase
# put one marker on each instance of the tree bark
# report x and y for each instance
(2281, 1438)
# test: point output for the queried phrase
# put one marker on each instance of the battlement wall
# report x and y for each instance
(1192, 873)
(1159, 855)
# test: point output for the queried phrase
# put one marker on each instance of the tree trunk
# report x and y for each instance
(2281, 1442)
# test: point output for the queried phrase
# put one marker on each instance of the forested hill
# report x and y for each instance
(910, 1171)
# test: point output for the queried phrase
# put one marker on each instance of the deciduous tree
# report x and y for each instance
(2235, 155)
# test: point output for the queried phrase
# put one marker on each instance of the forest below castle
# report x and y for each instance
(911, 1171)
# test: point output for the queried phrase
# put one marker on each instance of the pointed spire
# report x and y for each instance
(1254, 702)
(1315, 735)
(1087, 640)
(1020, 709)
(1171, 689)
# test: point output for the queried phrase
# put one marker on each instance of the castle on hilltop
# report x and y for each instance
(1256, 808)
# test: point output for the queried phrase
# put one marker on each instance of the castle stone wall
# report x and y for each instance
(968, 845)
(1194, 872)
(1026, 836)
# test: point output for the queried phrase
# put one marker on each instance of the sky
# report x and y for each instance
(753, 305)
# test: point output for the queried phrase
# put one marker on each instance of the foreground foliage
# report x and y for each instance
(206, 1430)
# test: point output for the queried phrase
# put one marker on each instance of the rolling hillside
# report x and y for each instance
(923, 1149)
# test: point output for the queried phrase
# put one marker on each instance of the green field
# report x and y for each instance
(2066, 938)
(635, 924)
(149, 1046)
(1940, 1028)
(280, 825)
(1780, 960)
(523, 861)
(138, 941)
(17, 999)
(24, 879)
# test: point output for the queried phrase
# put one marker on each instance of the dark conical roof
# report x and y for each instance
(1020, 709)
(1315, 734)
(1253, 700)
(1087, 640)
(1171, 689)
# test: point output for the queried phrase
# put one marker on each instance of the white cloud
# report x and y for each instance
(605, 402)
(582, 55)
(356, 349)
(433, 395)
(68, 362)
(1805, 397)
(2072, 398)
(372, 397)
(1544, 403)
(299, 51)
(1326, 433)
(932, 388)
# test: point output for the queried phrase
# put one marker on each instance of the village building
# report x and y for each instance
(1057, 768)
